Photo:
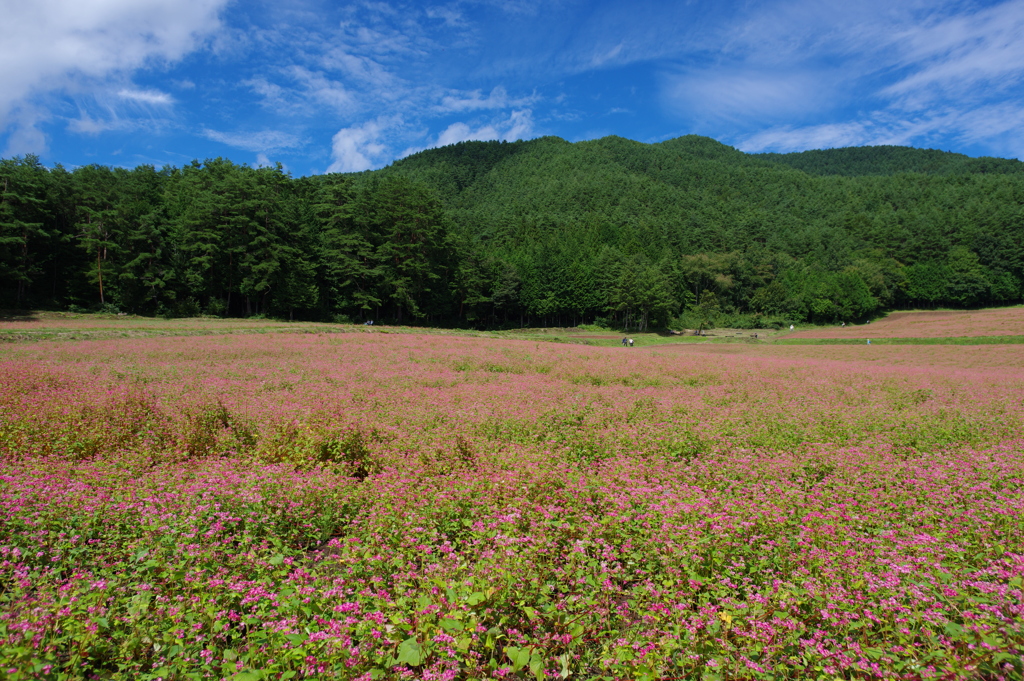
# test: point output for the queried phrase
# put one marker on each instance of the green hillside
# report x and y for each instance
(951, 232)
(540, 232)
(891, 160)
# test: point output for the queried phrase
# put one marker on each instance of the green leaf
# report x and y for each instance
(277, 559)
(248, 676)
(537, 664)
(410, 652)
(522, 659)
(563, 661)
(451, 625)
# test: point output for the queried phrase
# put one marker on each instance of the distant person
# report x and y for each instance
(844, 325)
(624, 341)
(869, 341)
(790, 327)
(630, 342)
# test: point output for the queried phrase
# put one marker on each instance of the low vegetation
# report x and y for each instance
(381, 505)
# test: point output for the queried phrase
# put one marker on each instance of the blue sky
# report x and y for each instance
(341, 86)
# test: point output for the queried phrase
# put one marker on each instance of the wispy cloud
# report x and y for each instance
(473, 101)
(963, 54)
(360, 68)
(88, 125)
(322, 89)
(876, 74)
(744, 94)
(257, 141)
(153, 97)
(997, 125)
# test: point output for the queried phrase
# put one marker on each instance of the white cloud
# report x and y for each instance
(26, 137)
(518, 125)
(262, 141)
(952, 56)
(274, 96)
(748, 93)
(358, 148)
(997, 125)
(146, 96)
(451, 16)
(601, 58)
(498, 99)
(322, 89)
(87, 125)
(474, 101)
(306, 95)
(361, 68)
(460, 132)
(50, 45)
(912, 73)
(827, 136)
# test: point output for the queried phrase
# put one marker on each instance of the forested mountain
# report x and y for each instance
(536, 232)
(890, 160)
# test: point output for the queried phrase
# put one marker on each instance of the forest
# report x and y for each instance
(532, 233)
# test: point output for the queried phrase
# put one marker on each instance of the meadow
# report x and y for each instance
(378, 505)
(1003, 321)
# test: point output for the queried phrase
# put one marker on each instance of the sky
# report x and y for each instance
(322, 86)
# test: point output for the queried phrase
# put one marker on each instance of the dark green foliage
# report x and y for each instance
(890, 160)
(541, 232)
(24, 212)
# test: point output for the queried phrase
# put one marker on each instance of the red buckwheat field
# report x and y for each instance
(426, 506)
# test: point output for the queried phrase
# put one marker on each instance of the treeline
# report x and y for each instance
(222, 239)
(529, 233)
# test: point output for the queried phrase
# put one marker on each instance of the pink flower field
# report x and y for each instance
(388, 506)
(1006, 321)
